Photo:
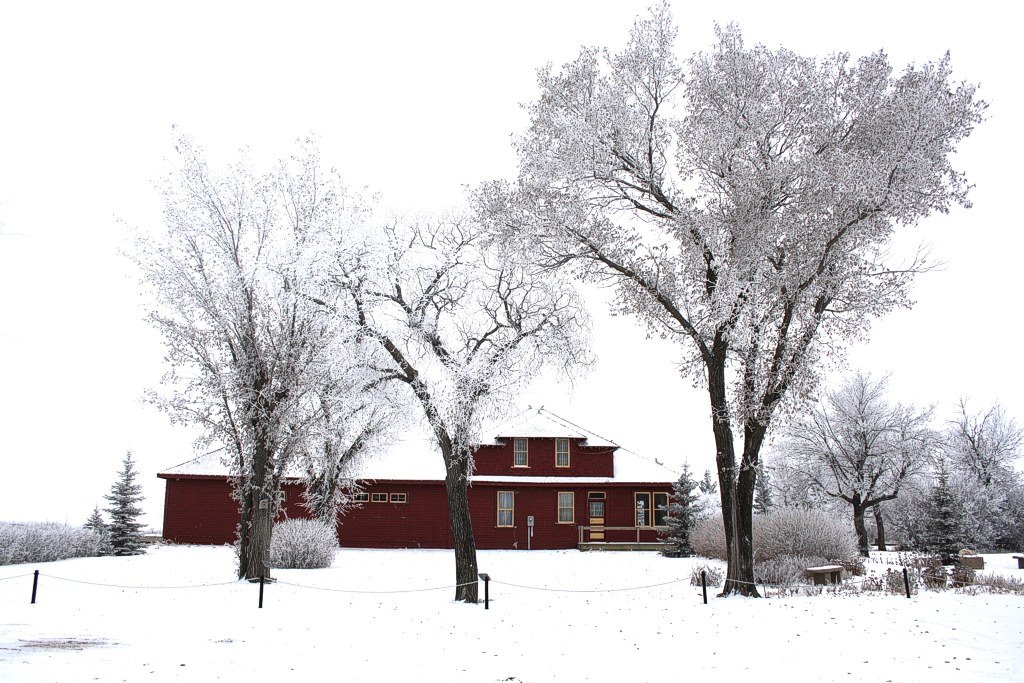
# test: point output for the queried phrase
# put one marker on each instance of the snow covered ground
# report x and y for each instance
(80, 631)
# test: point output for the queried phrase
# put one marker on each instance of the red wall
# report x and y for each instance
(584, 461)
(201, 510)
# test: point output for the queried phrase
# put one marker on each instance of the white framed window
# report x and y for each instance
(521, 457)
(399, 498)
(361, 498)
(566, 507)
(561, 452)
(506, 508)
(378, 497)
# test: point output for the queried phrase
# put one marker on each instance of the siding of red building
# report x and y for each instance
(199, 509)
(584, 461)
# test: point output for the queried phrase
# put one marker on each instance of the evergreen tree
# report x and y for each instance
(707, 484)
(125, 495)
(95, 523)
(944, 518)
(682, 516)
(763, 502)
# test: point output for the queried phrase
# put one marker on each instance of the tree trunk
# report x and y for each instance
(260, 531)
(862, 530)
(456, 486)
(880, 528)
(737, 515)
(259, 524)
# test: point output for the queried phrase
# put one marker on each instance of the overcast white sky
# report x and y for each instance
(414, 100)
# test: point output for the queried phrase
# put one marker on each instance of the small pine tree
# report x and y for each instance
(681, 516)
(763, 502)
(125, 495)
(944, 519)
(96, 524)
(707, 484)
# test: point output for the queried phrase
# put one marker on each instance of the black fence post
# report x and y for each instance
(263, 579)
(906, 582)
(487, 589)
(35, 585)
(704, 585)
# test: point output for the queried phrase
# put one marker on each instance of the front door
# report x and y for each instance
(596, 518)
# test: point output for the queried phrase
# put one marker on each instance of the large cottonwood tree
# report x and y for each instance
(250, 352)
(461, 327)
(742, 202)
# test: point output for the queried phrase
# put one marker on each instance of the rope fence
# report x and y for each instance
(909, 579)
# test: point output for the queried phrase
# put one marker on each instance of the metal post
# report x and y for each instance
(906, 582)
(487, 591)
(35, 585)
(262, 581)
(704, 584)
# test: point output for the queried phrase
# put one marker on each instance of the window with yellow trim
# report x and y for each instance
(506, 508)
(520, 457)
(398, 498)
(566, 507)
(651, 508)
(561, 452)
(378, 497)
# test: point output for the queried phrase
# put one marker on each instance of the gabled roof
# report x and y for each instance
(415, 457)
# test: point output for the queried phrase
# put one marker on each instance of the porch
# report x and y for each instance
(599, 537)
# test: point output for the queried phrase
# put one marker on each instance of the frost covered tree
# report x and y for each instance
(460, 328)
(233, 275)
(855, 446)
(764, 501)
(981, 448)
(682, 514)
(742, 202)
(707, 484)
(97, 525)
(125, 530)
(943, 517)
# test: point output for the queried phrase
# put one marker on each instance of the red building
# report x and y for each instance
(574, 489)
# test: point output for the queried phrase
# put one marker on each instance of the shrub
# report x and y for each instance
(997, 583)
(808, 533)
(302, 544)
(45, 542)
(935, 577)
(786, 570)
(708, 537)
(961, 576)
(713, 575)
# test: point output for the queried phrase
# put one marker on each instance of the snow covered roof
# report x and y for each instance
(415, 457)
(541, 423)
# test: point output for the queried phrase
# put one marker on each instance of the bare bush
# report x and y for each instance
(961, 576)
(45, 542)
(712, 575)
(302, 544)
(708, 537)
(935, 578)
(786, 570)
(808, 533)
(997, 583)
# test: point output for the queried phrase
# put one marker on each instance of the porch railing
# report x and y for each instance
(601, 529)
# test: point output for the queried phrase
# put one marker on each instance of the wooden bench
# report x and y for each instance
(972, 561)
(825, 575)
(1020, 561)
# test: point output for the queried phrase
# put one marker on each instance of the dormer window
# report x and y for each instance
(561, 452)
(520, 457)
